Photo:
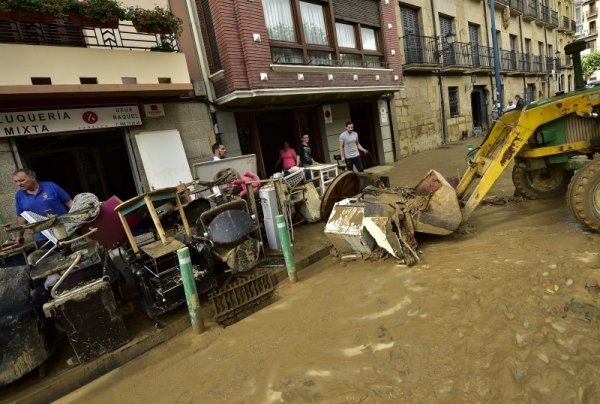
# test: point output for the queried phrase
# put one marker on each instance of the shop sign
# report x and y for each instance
(67, 120)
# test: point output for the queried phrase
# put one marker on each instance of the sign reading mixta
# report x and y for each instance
(67, 120)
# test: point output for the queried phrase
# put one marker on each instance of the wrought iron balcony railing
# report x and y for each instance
(554, 18)
(518, 5)
(545, 13)
(537, 63)
(573, 26)
(508, 60)
(531, 9)
(549, 65)
(482, 56)
(420, 50)
(524, 61)
(64, 33)
(456, 54)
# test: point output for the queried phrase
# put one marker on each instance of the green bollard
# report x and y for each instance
(191, 294)
(288, 255)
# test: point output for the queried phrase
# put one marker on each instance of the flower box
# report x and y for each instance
(80, 20)
(29, 17)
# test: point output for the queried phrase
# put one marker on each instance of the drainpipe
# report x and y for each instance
(439, 77)
(522, 50)
(487, 42)
(496, 58)
(199, 45)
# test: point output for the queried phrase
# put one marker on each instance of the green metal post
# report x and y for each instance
(288, 255)
(191, 294)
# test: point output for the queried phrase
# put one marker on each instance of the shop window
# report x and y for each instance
(453, 101)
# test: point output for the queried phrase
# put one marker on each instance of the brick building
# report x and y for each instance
(280, 68)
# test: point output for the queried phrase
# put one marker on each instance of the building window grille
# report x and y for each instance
(453, 101)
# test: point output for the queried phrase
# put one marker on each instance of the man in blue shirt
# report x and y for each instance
(38, 197)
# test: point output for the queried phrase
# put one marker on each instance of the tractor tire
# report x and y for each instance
(584, 195)
(545, 183)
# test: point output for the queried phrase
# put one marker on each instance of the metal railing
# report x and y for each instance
(537, 63)
(545, 13)
(64, 33)
(456, 54)
(568, 60)
(518, 5)
(508, 60)
(549, 65)
(420, 50)
(566, 23)
(423, 51)
(531, 9)
(524, 61)
(573, 26)
(554, 18)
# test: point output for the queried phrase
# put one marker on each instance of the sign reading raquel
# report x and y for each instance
(67, 120)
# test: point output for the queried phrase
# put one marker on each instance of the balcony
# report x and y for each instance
(482, 57)
(456, 56)
(508, 61)
(420, 52)
(549, 64)
(89, 61)
(568, 62)
(531, 10)
(537, 64)
(500, 4)
(565, 24)
(573, 27)
(544, 17)
(524, 62)
(591, 14)
(517, 7)
(553, 19)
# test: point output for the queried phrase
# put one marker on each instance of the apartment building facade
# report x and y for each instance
(282, 68)
(448, 63)
(586, 17)
(73, 98)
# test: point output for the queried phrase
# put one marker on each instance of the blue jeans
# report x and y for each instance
(355, 161)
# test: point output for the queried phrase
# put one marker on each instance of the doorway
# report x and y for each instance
(263, 135)
(479, 107)
(82, 162)
(361, 116)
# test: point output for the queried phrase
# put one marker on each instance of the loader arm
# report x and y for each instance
(508, 136)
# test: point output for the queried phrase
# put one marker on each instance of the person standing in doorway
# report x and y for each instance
(219, 152)
(304, 155)
(350, 148)
(287, 156)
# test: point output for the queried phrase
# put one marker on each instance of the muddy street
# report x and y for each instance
(507, 309)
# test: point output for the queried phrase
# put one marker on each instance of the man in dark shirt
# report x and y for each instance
(304, 155)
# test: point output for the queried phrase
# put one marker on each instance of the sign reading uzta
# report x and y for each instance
(67, 120)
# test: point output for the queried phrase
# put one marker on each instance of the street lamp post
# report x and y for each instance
(496, 60)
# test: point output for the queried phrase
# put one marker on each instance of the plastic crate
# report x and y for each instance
(294, 179)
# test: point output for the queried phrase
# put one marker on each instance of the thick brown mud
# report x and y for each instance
(507, 309)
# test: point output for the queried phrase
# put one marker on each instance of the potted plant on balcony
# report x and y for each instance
(96, 13)
(156, 21)
(45, 11)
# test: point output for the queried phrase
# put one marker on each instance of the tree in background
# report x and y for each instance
(590, 63)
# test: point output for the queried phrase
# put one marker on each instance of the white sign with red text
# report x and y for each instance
(67, 120)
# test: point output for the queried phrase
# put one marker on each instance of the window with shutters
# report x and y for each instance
(453, 101)
(301, 32)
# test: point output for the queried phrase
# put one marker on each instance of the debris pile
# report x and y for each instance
(389, 218)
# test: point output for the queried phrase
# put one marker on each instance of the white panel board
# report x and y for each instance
(163, 157)
(207, 171)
